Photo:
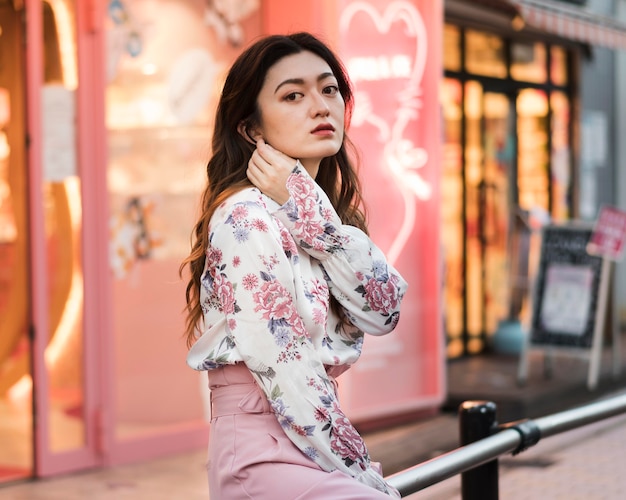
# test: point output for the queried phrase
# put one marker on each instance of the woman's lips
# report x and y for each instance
(325, 128)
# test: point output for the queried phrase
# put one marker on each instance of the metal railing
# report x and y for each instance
(483, 441)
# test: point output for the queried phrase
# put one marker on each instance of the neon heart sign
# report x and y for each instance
(388, 95)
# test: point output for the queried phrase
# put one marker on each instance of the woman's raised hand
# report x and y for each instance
(268, 170)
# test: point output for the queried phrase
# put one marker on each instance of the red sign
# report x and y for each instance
(609, 234)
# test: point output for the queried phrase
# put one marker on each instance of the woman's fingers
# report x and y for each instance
(268, 169)
(277, 159)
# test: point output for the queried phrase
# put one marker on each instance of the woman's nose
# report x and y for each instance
(319, 106)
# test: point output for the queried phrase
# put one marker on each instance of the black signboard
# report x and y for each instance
(567, 289)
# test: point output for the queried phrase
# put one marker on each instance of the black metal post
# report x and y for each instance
(477, 420)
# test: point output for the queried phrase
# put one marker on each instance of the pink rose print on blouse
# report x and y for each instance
(224, 291)
(221, 294)
(380, 292)
(302, 190)
(347, 443)
(214, 259)
(317, 293)
(309, 230)
(275, 304)
(381, 295)
(289, 245)
(312, 222)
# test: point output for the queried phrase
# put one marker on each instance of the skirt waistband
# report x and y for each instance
(230, 375)
(234, 392)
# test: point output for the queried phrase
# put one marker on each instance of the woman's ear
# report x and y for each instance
(249, 134)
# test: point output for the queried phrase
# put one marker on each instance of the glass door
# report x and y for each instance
(16, 416)
(489, 168)
(62, 380)
(503, 174)
(478, 198)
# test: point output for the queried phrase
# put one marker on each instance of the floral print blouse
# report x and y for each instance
(265, 293)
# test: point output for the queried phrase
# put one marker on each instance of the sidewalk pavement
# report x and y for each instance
(585, 463)
(588, 463)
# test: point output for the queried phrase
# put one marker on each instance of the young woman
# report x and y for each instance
(285, 281)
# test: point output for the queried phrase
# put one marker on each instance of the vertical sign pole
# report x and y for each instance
(596, 348)
(615, 331)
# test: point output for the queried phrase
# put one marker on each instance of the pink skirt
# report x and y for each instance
(251, 457)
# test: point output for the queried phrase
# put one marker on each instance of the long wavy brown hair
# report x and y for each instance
(226, 169)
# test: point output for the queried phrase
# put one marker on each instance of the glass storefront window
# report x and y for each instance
(473, 177)
(558, 65)
(515, 136)
(528, 62)
(452, 215)
(498, 145)
(166, 64)
(488, 167)
(451, 48)
(485, 54)
(533, 182)
(560, 162)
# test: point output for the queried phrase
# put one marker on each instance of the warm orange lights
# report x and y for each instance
(66, 31)
(69, 324)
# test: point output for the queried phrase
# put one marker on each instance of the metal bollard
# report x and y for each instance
(477, 420)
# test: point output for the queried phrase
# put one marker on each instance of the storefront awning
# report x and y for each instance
(552, 17)
(572, 22)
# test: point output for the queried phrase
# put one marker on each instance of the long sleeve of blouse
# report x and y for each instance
(265, 296)
(368, 288)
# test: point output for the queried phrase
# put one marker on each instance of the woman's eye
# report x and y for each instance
(331, 89)
(293, 96)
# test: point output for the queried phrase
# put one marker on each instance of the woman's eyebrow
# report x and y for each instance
(300, 81)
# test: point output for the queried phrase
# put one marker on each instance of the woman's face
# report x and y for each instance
(302, 111)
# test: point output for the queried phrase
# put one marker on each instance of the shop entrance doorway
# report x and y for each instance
(48, 406)
(506, 165)
(489, 205)
(479, 201)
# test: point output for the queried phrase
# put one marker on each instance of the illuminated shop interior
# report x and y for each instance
(507, 168)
